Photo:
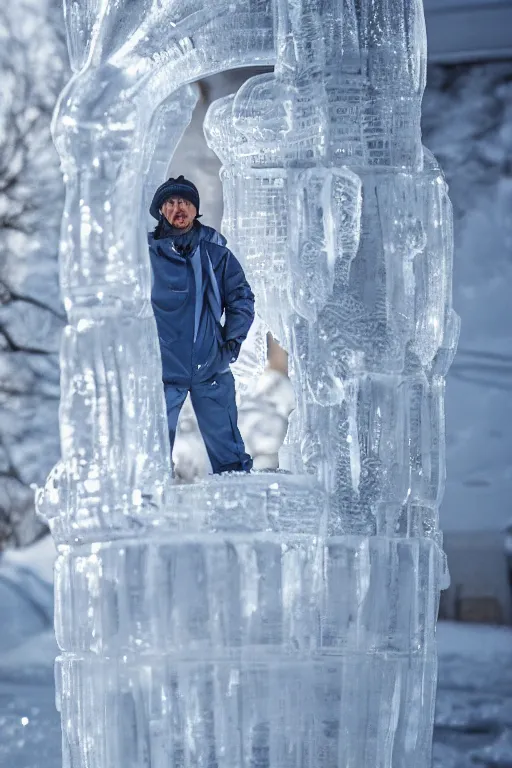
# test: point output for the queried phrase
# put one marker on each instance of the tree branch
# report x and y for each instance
(13, 296)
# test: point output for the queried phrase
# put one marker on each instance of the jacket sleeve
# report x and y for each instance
(238, 301)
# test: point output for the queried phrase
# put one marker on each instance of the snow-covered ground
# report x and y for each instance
(474, 704)
(473, 724)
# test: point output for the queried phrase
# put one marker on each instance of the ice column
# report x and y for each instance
(278, 620)
(344, 225)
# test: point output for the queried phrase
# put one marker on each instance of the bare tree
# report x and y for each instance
(32, 71)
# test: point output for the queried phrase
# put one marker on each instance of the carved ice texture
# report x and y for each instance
(278, 620)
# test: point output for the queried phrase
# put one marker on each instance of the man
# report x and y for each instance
(197, 280)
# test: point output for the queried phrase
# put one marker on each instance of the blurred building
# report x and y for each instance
(480, 589)
(468, 30)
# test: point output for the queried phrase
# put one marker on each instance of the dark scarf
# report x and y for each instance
(184, 242)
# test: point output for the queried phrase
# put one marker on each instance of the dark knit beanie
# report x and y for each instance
(180, 187)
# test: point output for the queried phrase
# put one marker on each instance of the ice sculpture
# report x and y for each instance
(280, 620)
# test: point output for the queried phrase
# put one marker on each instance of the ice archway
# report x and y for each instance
(278, 620)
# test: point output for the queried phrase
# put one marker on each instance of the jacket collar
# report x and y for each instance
(184, 243)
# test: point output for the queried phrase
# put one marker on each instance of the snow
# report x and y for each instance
(473, 723)
(39, 558)
(473, 717)
(26, 593)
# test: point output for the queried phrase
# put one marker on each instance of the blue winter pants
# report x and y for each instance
(214, 404)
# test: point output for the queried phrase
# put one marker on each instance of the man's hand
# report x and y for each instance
(234, 348)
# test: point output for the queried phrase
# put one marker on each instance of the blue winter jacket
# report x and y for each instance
(193, 348)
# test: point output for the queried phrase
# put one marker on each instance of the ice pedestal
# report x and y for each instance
(225, 634)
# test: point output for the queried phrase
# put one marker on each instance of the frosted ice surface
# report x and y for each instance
(284, 619)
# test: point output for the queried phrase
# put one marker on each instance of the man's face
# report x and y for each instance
(179, 213)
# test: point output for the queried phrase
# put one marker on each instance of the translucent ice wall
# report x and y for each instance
(274, 620)
(344, 225)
